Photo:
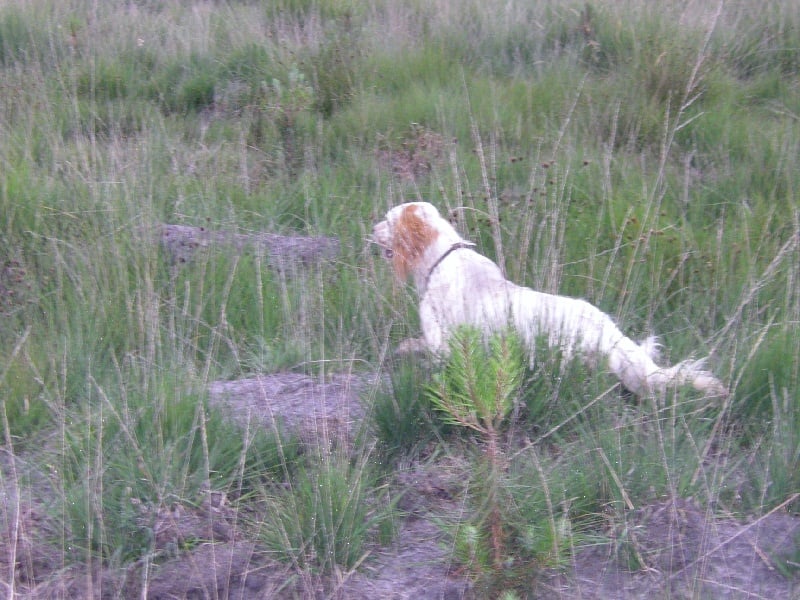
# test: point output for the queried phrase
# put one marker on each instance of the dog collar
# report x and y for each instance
(456, 246)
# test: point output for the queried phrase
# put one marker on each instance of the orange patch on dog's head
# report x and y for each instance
(412, 235)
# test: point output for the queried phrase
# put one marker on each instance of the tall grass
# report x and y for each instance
(643, 157)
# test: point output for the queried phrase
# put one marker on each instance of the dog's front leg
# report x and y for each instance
(412, 346)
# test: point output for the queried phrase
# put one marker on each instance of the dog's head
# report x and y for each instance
(406, 233)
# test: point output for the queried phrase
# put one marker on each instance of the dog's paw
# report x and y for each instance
(412, 346)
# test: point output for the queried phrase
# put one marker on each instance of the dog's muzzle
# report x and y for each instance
(384, 250)
(380, 238)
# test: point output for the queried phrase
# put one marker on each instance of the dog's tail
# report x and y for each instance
(635, 365)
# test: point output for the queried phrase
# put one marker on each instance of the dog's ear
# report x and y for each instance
(412, 236)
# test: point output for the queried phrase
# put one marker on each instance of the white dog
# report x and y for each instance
(458, 286)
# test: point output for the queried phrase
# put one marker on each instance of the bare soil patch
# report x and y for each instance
(182, 242)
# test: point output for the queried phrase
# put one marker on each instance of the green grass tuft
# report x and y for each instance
(329, 516)
(123, 459)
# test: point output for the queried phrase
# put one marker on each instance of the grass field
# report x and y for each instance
(645, 158)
